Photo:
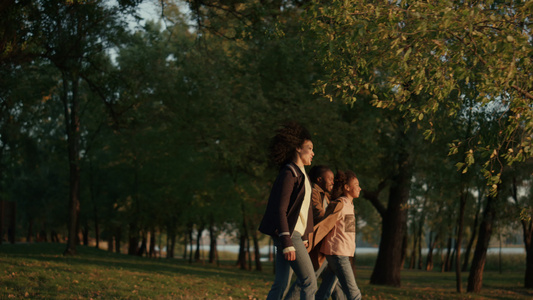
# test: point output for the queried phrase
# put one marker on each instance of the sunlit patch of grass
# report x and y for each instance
(39, 271)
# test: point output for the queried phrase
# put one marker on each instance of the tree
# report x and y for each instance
(411, 56)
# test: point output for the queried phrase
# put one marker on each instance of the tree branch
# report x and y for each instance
(373, 197)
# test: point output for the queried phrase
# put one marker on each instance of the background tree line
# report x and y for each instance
(121, 134)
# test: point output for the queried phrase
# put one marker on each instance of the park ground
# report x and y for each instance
(40, 271)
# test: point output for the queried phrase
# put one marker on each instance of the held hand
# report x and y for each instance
(290, 256)
(306, 244)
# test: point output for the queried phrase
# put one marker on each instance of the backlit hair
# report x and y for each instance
(341, 179)
(289, 137)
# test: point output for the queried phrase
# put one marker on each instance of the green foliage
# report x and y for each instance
(396, 52)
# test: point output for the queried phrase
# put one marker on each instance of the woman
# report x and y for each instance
(339, 243)
(288, 217)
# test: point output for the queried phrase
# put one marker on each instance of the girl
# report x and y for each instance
(288, 217)
(339, 243)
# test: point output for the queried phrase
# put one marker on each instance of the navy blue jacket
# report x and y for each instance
(284, 204)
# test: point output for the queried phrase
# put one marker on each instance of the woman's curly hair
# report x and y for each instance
(341, 179)
(283, 146)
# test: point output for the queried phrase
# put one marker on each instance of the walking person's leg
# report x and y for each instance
(294, 291)
(303, 268)
(343, 269)
(283, 272)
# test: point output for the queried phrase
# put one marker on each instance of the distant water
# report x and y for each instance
(362, 250)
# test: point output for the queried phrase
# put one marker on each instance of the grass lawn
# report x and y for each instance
(39, 271)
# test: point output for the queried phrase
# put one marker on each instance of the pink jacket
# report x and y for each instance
(328, 229)
(341, 239)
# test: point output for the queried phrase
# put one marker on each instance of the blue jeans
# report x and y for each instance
(323, 292)
(342, 270)
(330, 286)
(302, 267)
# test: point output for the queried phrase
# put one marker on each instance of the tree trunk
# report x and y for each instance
(419, 237)
(92, 193)
(110, 243)
(72, 122)
(458, 244)
(54, 237)
(241, 259)
(85, 233)
(257, 253)
(151, 251)
(389, 261)
(198, 243)
(412, 261)
(448, 262)
(528, 280)
(29, 236)
(118, 239)
(144, 246)
(475, 278)
(190, 245)
(431, 246)
(171, 242)
(12, 229)
(1, 216)
(213, 253)
(133, 239)
(421, 222)
(474, 234)
(248, 252)
(172, 245)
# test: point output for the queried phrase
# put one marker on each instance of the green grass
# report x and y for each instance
(39, 271)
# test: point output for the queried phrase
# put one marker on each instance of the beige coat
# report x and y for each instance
(321, 230)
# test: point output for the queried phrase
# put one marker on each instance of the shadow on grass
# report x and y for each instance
(52, 253)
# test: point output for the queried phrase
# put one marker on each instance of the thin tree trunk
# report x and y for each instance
(71, 109)
(475, 278)
(92, 193)
(527, 235)
(248, 252)
(144, 242)
(460, 225)
(412, 261)
(12, 229)
(133, 233)
(190, 245)
(133, 239)
(421, 222)
(110, 243)
(528, 279)
(1, 213)
(432, 244)
(198, 242)
(85, 233)
(171, 246)
(257, 253)
(213, 253)
(241, 260)
(151, 251)
(448, 262)
(420, 248)
(474, 234)
(29, 236)
(118, 239)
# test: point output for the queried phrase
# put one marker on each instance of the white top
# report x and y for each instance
(301, 224)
